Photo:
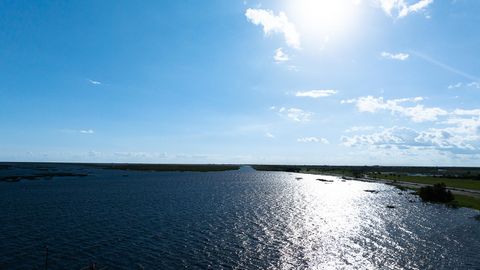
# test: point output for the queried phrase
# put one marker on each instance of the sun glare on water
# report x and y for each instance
(321, 20)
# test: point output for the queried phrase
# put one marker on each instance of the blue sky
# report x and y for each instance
(392, 82)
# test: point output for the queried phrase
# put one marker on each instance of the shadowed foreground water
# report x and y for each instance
(236, 219)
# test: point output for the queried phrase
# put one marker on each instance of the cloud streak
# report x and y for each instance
(446, 67)
(469, 85)
(87, 131)
(316, 93)
(417, 113)
(294, 114)
(312, 140)
(395, 56)
(270, 135)
(94, 82)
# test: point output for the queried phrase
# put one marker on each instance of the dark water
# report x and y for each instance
(238, 219)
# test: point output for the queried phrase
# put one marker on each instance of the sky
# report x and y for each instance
(358, 82)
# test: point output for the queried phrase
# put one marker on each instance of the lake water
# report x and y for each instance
(232, 220)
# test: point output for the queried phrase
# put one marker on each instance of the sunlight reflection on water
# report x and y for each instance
(238, 219)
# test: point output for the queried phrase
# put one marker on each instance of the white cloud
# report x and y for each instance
(359, 128)
(420, 5)
(401, 8)
(275, 24)
(312, 140)
(270, 135)
(280, 56)
(468, 127)
(460, 84)
(81, 131)
(474, 112)
(316, 93)
(395, 56)
(294, 114)
(474, 84)
(141, 155)
(457, 133)
(94, 82)
(417, 113)
(292, 68)
(457, 85)
(404, 138)
(87, 131)
(298, 115)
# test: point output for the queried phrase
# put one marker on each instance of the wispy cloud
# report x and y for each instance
(280, 56)
(401, 8)
(446, 67)
(474, 112)
(312, 140)
(141, 155)
(453, 86)
(294, 114)
(87, 131)
(417, 113)
(474, 84)
(316, 93)
(269, 135)
(81, 131)
(275, 24)
(359, 128)
(395, 56)
(94, 82)
(460, 84)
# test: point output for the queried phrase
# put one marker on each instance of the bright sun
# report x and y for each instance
(322, 19)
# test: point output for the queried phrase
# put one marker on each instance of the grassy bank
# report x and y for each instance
(459, 201)
(430, 180)
(467, 201)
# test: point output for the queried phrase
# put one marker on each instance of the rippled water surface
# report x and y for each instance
(237, 219)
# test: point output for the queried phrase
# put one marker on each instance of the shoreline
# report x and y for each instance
(463, 197)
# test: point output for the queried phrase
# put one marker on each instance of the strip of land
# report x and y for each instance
(463, 182)
(169, 167)
(16, 178)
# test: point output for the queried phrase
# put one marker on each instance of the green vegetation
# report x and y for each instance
(329, 170)
(458, 201)
(169, 167)
(431, 180)
(436, 193)
(467, 201)
(472, 173)
(456, 177)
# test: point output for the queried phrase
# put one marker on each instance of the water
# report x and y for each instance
(232, 220)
